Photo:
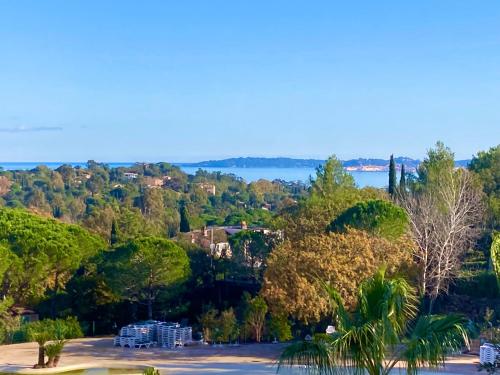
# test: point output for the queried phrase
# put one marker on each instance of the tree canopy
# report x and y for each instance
(486, 165)
(375, 216)
(140, 269)
(332, 191)
(40, 253)
(341, 259)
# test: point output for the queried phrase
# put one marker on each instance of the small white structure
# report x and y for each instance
(207, 188)
(330, 330)
(130, 175)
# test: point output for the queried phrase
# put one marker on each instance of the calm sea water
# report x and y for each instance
(376, 179)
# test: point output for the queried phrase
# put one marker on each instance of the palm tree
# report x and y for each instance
(382, 331)
(41, 332)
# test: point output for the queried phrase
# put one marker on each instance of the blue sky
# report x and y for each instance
(191, 80)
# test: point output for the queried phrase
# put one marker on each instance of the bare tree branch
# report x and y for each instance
(444, 220)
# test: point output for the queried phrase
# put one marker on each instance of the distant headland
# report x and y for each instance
(360, 164)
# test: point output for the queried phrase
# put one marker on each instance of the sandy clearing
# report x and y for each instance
(246, 359)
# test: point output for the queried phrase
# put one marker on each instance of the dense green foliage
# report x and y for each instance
(378, 217)
(39, 254)
(139, 270)
(332, 192)
(495, 256)
(250, 251)
(279, 327)
(486, 164)
(143, 199)
(434, 168)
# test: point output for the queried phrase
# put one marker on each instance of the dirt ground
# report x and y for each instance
(245, 359)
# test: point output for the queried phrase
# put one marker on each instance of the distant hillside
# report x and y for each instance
(362, 164)
(253, 162)
(250, 162)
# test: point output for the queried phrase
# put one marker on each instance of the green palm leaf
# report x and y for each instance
(432, 339)
(377, 335)
(315, 356)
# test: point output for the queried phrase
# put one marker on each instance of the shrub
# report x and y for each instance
(151, 371)
(280, 328)
(71, 326)
(228, 325)
(208, 321)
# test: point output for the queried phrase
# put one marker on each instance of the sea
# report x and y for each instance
(363, 179)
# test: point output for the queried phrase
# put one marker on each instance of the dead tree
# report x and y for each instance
(445, 220)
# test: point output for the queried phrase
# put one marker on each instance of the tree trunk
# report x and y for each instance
(54, 293)
(41, 357)
(258, 333)
(50, 362)
(150, 308)
(431, 304)
(134, 311)
(56, 360)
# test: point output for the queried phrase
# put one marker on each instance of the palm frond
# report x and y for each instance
(432, 339)
(314, 356)
(374, 337)
(340, 314)
(391, 303)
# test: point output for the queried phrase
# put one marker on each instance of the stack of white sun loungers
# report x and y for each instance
(137, 335)
(167, 335)
(171, 335)
(488, 353)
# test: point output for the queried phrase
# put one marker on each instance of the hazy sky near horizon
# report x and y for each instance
(195, 80)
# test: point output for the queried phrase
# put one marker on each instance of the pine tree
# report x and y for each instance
(392, 177)
(184, 224)
(402, 181)
(113, 238)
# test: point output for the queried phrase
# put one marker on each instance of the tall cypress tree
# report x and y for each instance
(392, 177)
(113, 238)
(184, 224)
(402, 181)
